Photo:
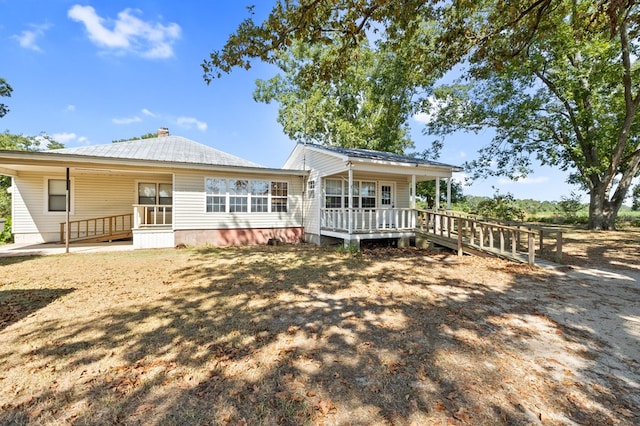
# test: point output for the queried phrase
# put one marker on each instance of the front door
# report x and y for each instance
(386, 203)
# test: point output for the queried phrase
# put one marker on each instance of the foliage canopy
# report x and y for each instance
(558, 81)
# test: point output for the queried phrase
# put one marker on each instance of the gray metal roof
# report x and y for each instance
(379, 155)
(174, 149)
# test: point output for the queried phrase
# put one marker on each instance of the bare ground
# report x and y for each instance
(301, 335)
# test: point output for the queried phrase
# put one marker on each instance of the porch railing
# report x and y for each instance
(367, 220)
(150, 215)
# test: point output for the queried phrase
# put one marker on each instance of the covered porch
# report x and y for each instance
(369, 203)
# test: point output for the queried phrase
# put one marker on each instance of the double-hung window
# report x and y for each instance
(279, 196)
(155, 193)
(57, 195)
(260, 196)
(216, 195)
(238, 195)
(311, 188)
(333, 194)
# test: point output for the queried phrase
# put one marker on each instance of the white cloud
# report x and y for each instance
(434, 107)
(189, 122)
(126, 120)
(64, 137)
(83, 139)
(148, 113)
(524, 181)
(462, 154)
(128, 33)
(461, 178)
(28, 38)
(71, 108)
(422, 117)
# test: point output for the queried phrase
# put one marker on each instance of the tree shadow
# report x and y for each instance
(18, 304)
(292, 335)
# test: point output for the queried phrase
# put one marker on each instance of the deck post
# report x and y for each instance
(490, 229)
(437, 204)
(67, 210)
(350, 203)
(532, 249)
(449, 193)
(458, 220)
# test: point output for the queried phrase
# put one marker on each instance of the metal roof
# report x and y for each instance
(379, 155)
(174, 149)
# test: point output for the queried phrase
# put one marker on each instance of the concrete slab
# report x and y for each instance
(9, 250)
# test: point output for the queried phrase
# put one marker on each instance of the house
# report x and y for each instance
(169, 191)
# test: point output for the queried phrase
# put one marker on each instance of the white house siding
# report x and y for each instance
(194, 225)
(93, 195)
(321, 165)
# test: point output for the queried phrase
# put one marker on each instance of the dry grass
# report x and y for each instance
(295, 335)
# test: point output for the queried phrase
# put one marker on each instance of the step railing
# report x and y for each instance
(512, 240)
(98, 227)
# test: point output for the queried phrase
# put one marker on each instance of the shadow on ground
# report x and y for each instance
(292, 335)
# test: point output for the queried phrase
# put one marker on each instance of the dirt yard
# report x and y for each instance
(301, 335)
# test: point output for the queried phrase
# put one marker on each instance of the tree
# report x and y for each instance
(635, 198)
(557, 80)
(427, 191)
(9, 141)
(365, 108)
(149, 135)
(5, 90)
(570, 204)
(567, 98)
(501, 207)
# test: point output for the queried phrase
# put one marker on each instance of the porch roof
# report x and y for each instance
(349, 154)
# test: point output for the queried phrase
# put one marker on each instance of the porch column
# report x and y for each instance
(67, 209)
(350, 204)
(321, 201)
(413, 191)
(449, 193)
(437, 194)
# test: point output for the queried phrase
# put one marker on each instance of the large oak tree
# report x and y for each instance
(556, 79)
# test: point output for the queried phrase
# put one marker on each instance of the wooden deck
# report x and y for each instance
(464, 234)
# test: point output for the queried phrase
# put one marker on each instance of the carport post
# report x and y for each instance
(67, 209)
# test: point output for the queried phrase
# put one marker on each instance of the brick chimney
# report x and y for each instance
(163, 131)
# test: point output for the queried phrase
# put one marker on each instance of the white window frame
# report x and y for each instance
(270, 197)
(356, 193)
(45, 196)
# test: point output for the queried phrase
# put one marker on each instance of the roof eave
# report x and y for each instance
(71, 160)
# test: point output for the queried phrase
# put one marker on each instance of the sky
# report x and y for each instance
(89, 73)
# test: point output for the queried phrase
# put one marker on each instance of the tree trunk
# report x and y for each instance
(602, 212)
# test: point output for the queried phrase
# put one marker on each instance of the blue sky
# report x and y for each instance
(92, 72)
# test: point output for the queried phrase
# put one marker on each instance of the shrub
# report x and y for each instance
(6, 236)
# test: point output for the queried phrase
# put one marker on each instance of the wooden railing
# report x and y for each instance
(150, 215)
(510, 240)
(100, 228)
(367, 220)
